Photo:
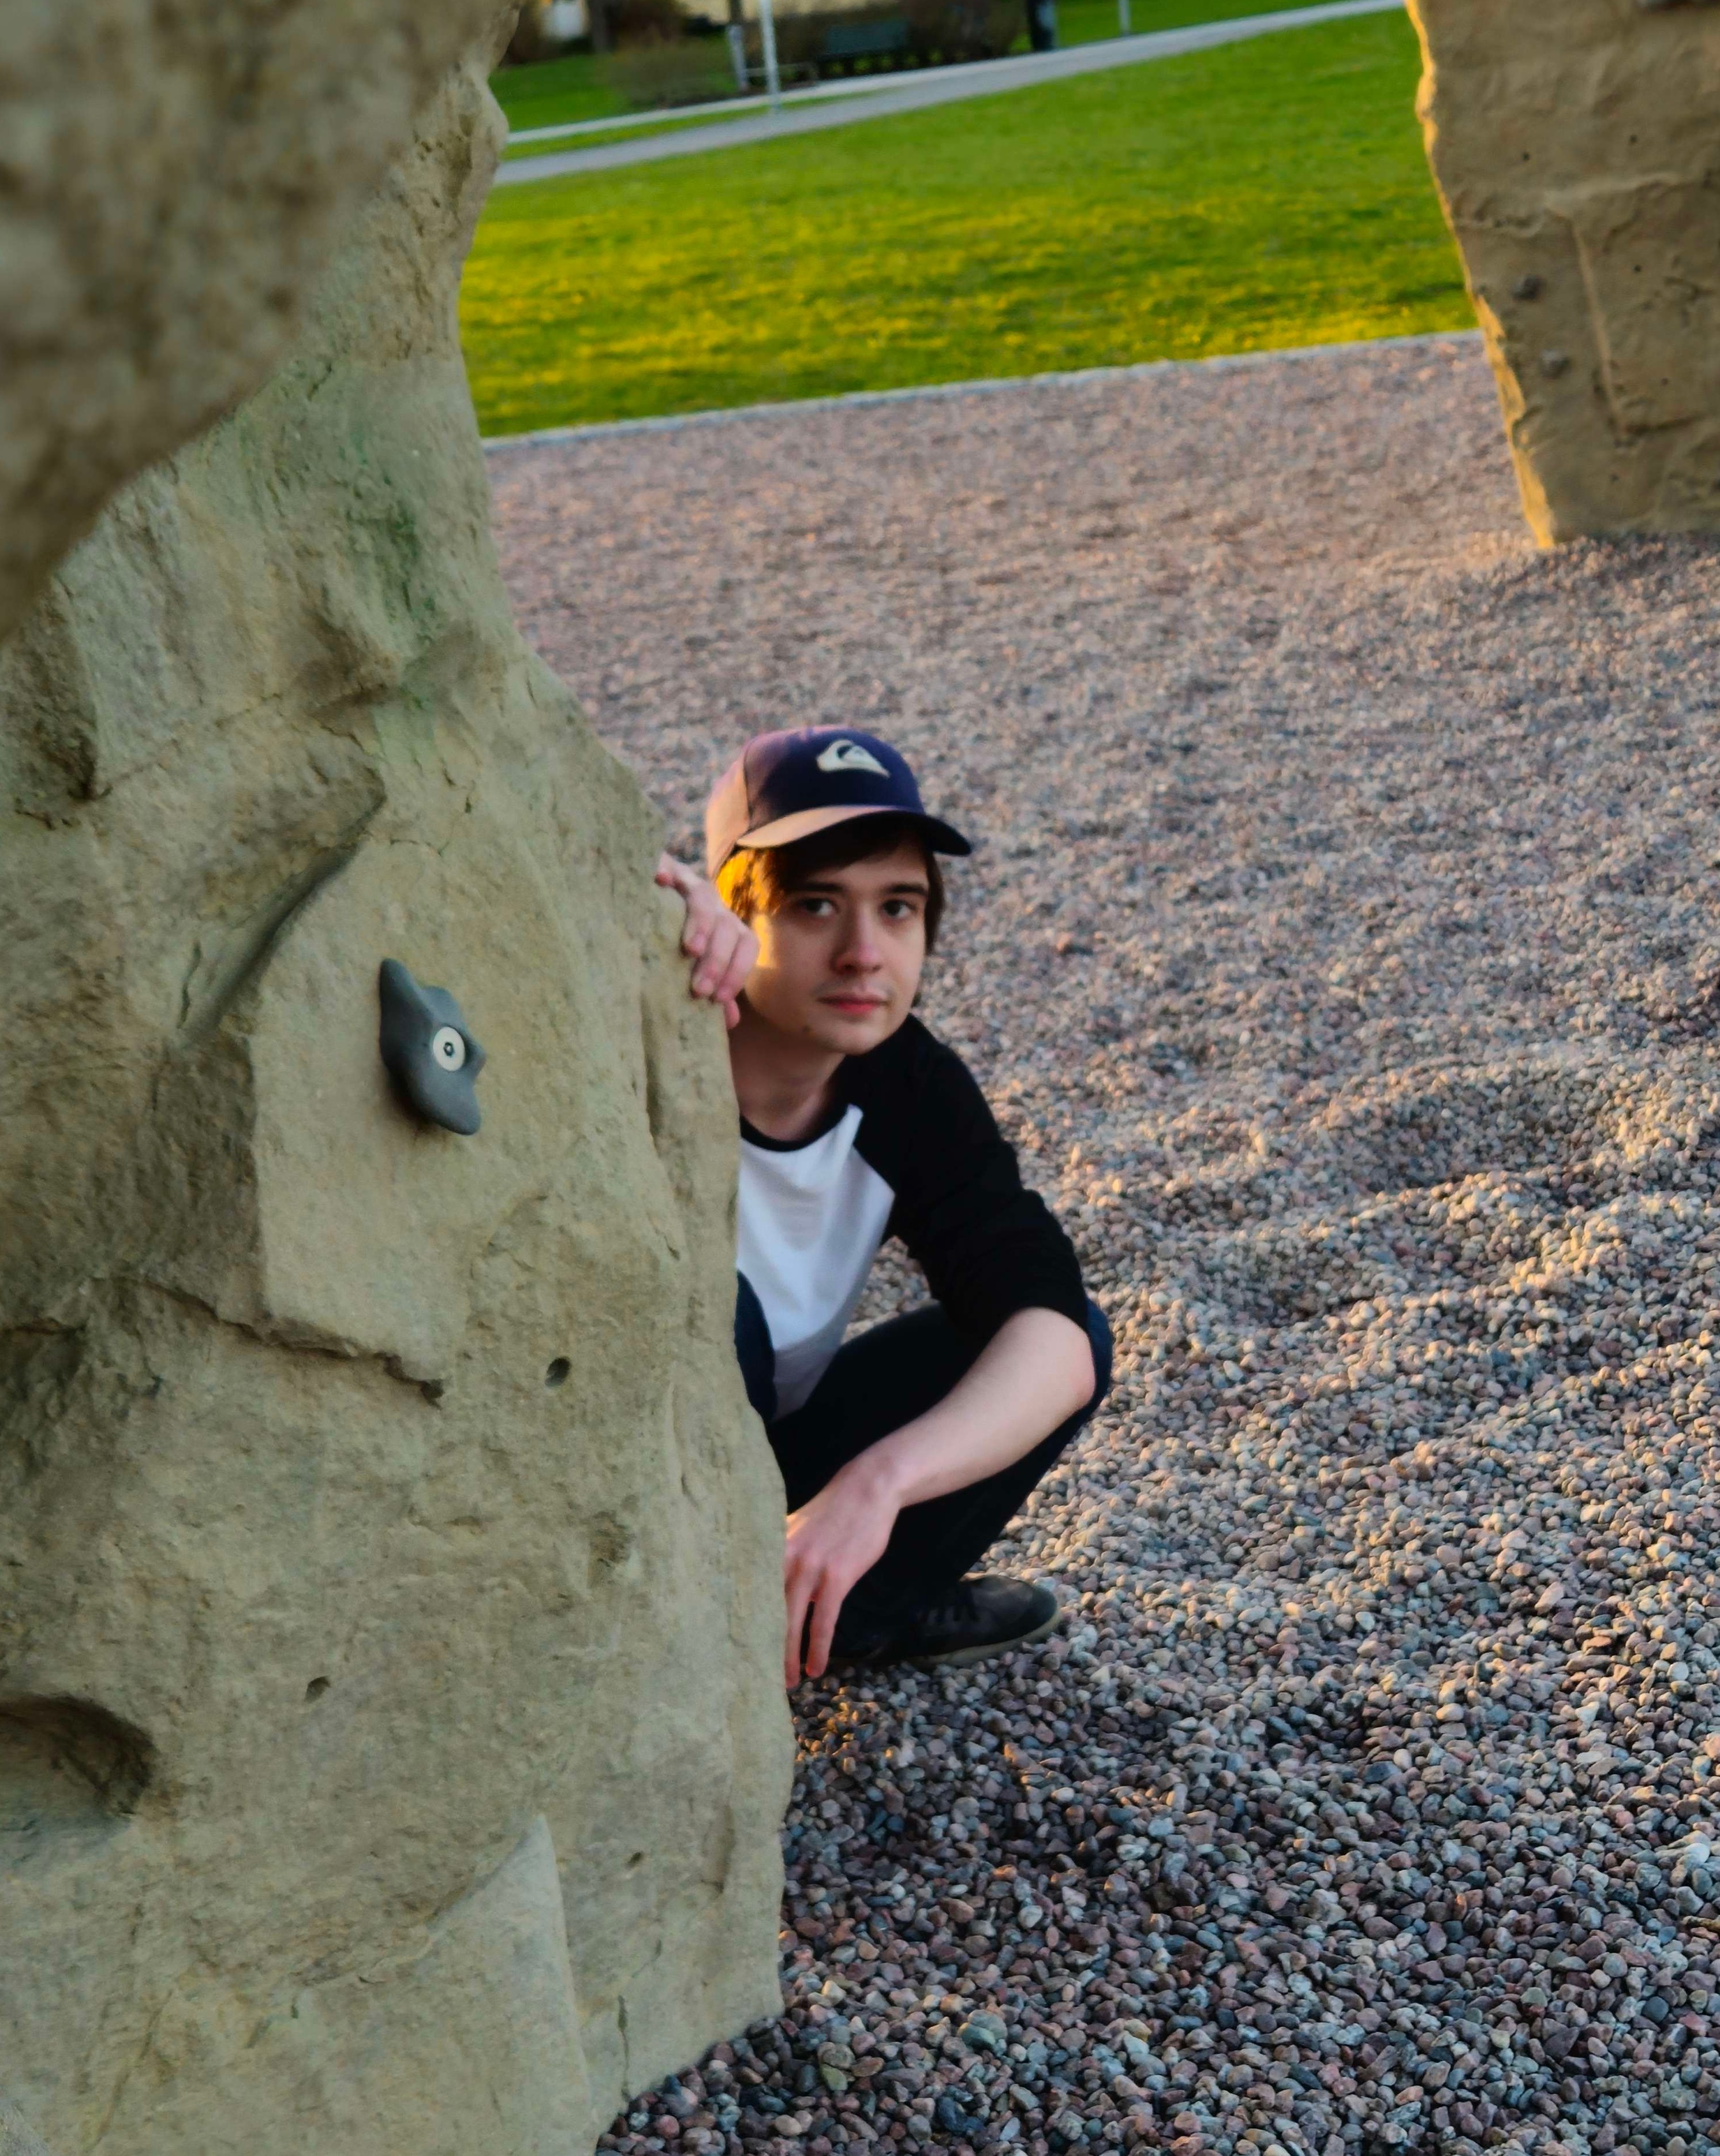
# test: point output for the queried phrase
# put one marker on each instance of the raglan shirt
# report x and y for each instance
(909, 1148)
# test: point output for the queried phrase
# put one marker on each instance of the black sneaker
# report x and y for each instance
(985, 1615)
(977, 1617)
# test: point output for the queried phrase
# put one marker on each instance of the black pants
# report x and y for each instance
(876, 1383)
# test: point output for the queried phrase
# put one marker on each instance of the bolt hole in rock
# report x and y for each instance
(557, 1373)
(71, 1774)
(316, 1687)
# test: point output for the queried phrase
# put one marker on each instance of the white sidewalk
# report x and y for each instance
(878, 97)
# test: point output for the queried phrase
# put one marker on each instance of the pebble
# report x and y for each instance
(1340, 953)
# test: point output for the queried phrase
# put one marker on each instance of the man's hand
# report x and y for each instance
(722, 948)
(833, 1539)
(1035, 1373)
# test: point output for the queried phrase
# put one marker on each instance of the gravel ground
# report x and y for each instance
(1340, 953)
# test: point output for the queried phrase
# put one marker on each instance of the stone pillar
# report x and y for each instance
(1578, 157)
(392, 1735)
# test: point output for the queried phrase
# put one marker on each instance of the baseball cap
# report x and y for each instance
(785, 786)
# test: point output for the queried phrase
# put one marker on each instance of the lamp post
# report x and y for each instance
(768, 37)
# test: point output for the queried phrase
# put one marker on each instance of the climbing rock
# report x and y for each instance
(177, 180)
(16, 2138)
(1581, 176)
(391, 1747)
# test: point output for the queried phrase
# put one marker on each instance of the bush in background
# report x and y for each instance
(649, 72)
(647, 22)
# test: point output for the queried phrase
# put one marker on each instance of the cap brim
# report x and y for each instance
(943, 838)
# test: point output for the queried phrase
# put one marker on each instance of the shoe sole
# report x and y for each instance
(960, 1658)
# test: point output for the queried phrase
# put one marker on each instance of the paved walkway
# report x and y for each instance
(619, 123)
(932, 86)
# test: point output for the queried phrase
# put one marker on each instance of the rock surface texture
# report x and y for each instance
(16, 2138)
(390, 1756)
(1580, 172)
(177, 179)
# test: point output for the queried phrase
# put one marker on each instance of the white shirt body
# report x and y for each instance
(812, 1218)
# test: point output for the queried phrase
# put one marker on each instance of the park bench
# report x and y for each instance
(845, 43)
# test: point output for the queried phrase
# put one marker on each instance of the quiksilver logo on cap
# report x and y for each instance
(850, 756)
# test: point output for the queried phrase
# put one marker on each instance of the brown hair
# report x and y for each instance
(758, 879)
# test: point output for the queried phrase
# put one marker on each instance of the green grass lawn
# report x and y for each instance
(550, 92)
(1084, 22)
(1263, 195)
(585, 88)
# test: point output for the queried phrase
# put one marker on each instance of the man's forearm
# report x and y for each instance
(1034, 1373)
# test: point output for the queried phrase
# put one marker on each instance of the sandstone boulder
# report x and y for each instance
(391, 1747)
(177, 178)
(16, 2138)
(1579, 167)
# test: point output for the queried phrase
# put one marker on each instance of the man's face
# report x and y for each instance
(840, 960)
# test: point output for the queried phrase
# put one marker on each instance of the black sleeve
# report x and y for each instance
(987, 1246)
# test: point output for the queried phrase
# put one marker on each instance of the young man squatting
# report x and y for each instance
(906, 1450)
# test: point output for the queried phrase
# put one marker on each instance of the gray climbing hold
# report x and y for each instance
(428, 1051)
